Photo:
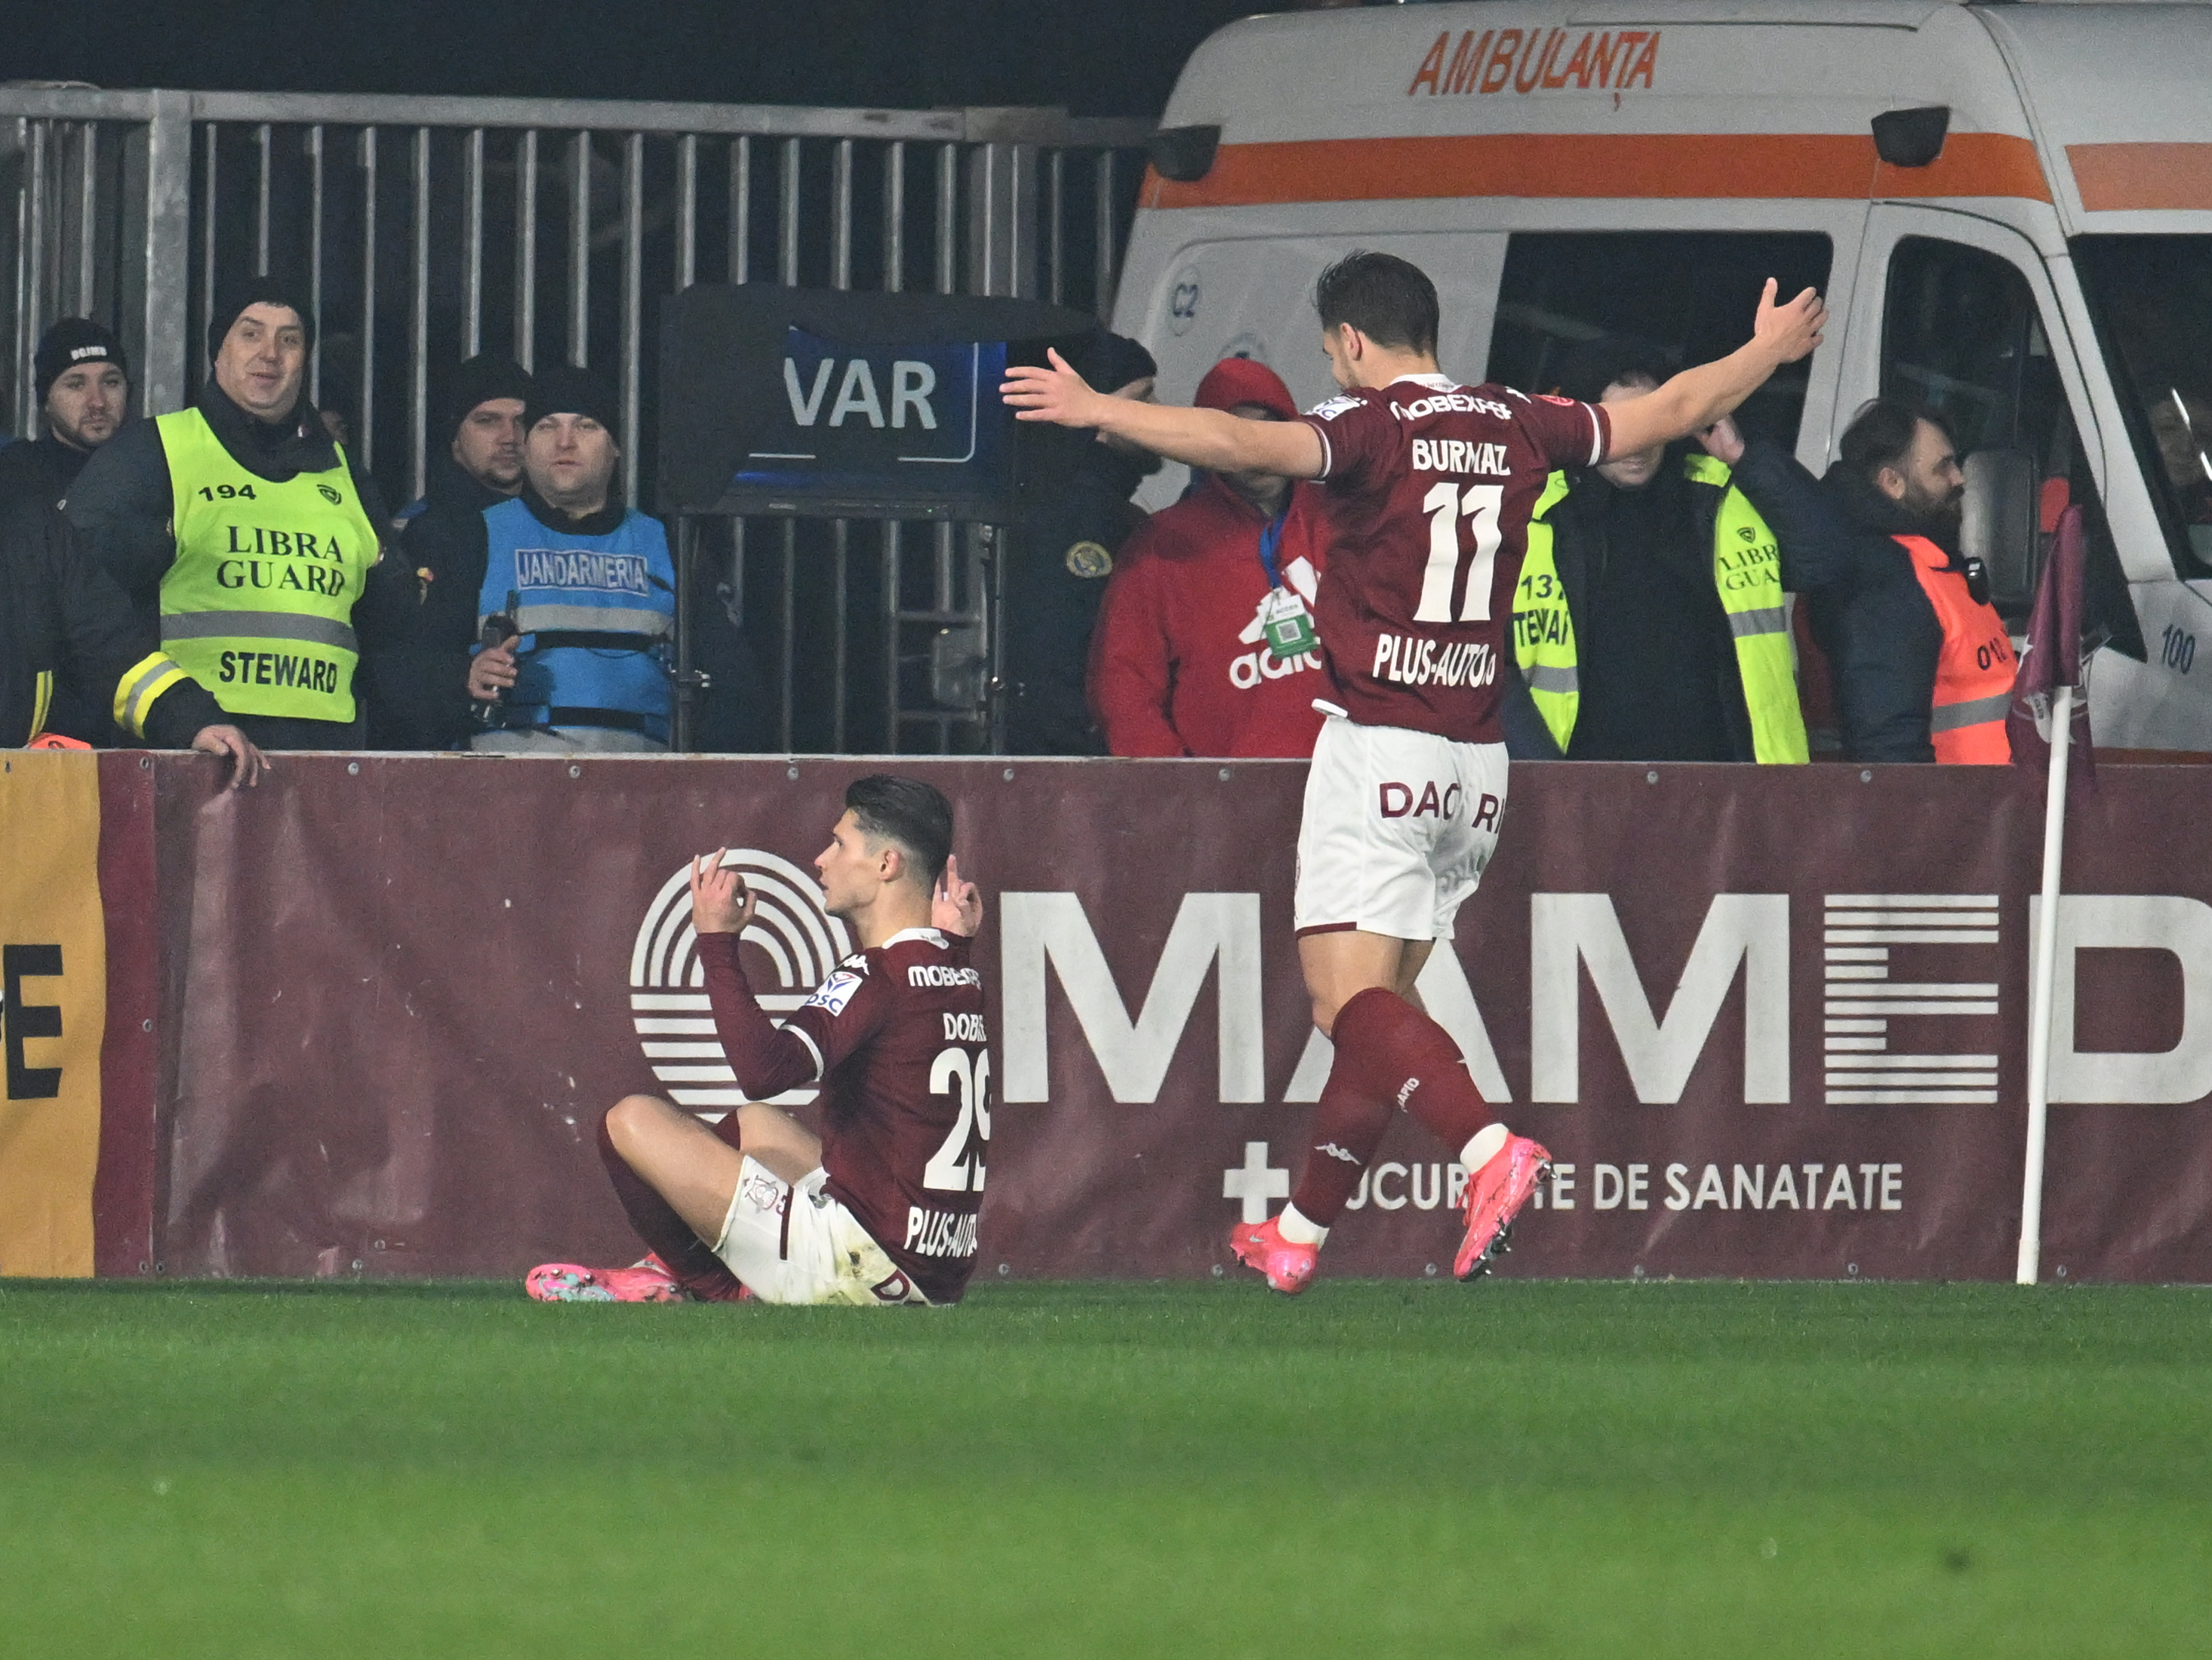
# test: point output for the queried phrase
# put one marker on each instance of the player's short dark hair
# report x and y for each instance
(1591, 365)
(914, 815)
(1880, 432)
(1389, 299)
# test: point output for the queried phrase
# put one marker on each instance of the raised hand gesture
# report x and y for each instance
(1055, 393)
(720, 901)
(1788, 332)
(956, 907)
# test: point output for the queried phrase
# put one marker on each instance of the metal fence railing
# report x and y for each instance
(423, 230)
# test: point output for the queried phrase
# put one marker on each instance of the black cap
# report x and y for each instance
(72, 341)
(564, 389)
(1109, 361)
(260, 291)
(480, 379)
(1591, 366)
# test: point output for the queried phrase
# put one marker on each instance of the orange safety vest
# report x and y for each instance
(1975, 670)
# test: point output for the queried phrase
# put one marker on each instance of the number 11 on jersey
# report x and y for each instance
(1445, 505)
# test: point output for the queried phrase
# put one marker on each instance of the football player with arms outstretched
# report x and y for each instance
(881, 1208)
(1429, 485)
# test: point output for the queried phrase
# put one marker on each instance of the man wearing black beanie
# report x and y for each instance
(247, 533)
(476, 462)
(1076, 515)
(582, 589)
(71, 650)
(83, 382)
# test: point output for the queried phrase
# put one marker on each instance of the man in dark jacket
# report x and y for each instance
(417, 696)
(1667, 639)
(582, 589)
(60, 612)
(1896, 474)
(242, 533)
(1076, 515)
(83, 383)
(478, 464)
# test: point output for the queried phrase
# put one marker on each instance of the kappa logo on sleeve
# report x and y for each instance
(836, 991)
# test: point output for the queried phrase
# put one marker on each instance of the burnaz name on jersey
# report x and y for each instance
(1419, 661)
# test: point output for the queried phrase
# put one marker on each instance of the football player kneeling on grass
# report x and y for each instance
(881, 1208)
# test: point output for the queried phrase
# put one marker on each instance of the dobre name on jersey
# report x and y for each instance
(1454, 455)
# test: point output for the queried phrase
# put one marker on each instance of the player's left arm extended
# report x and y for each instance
(1695, 399)
(1213, 439)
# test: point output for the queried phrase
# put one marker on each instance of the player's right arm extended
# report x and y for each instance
(1695, 399)
(1213, 439)
(768, 1059)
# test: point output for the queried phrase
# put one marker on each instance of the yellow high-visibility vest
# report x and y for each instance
(1746, 575)
(258, 605)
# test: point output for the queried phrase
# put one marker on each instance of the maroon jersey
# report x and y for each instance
(896, 1037)
(1431, 485)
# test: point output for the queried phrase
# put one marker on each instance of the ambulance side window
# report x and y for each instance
(1960, 334)
(1690, 293)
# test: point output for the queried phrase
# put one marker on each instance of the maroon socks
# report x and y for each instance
(667, 1235)
(1388, 1054)
(1348, 1125)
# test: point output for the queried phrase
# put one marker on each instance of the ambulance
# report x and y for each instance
(2009, 207)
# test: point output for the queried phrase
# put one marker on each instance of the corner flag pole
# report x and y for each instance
(2038, 1007)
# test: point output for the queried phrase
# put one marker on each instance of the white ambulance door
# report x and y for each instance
(1957, 313)
(1961, 313)
(1252, 297)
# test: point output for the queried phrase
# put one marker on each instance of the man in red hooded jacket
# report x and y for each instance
(1182, 662)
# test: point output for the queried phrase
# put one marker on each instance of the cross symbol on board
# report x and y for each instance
(1256, 1182)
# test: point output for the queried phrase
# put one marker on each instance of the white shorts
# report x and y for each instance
(1398, 826)
(794, 1244)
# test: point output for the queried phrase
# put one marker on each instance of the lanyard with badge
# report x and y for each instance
(1283, 618)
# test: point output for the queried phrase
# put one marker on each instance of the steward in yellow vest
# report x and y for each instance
(242, 532)
(1678, 583)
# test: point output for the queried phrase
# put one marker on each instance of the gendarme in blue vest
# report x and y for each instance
(593, 611)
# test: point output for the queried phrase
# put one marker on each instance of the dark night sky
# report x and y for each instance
(1102, 57)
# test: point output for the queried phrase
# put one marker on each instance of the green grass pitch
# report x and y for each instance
(1517, 1468)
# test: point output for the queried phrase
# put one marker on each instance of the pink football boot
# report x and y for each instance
(1495, 1195)
(567, 1282)
(1261, 1245)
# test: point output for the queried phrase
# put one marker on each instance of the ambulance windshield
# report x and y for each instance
(2152, 300)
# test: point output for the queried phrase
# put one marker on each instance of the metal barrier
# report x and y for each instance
(423, 230)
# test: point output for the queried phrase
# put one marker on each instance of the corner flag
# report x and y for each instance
(2053, 659)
